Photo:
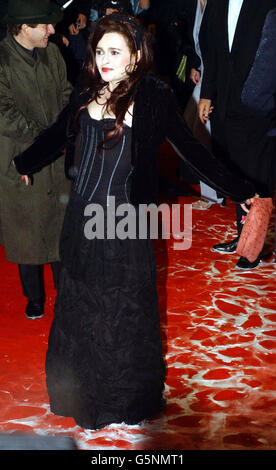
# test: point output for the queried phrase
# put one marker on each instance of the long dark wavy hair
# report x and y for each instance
(123, 95)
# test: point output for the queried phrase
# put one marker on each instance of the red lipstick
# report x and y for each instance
(106, 69)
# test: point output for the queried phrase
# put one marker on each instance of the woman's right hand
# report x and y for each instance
(26, 179)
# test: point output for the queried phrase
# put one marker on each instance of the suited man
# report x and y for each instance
(238, 134)
(260, 87)
(197, 12)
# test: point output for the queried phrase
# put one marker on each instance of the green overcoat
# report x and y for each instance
(32, 93)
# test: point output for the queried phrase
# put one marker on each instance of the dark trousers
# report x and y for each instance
(32, 280)
(227, 145)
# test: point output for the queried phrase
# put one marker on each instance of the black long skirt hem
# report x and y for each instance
(104, 363)
(138, 421)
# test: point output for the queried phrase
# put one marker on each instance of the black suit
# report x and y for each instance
(237, 132)
(259, 91)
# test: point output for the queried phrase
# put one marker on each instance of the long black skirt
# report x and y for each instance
(104, 361)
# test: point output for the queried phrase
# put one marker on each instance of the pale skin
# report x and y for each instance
(204, 109)
(195, 76)
(114, 60)
(30, 37)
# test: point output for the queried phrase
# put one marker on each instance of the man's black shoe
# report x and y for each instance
(229, 247)
(244, 264)
(34, 310)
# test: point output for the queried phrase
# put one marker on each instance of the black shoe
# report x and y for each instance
(244, 264)
(34, 310)
(229, 247)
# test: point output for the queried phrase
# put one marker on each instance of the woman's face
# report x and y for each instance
(113, 58)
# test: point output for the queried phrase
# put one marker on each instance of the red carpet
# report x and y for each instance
(219, 333)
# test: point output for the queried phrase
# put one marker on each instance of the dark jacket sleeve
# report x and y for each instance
(260, 87)
(189, 11)
(203, 163)
(209, 80)
(46, 148)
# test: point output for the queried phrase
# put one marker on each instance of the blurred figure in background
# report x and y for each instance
(197, 14)
(33, 90)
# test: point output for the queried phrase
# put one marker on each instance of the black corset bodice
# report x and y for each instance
(107, 172)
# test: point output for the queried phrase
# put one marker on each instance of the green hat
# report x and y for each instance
(32, 12)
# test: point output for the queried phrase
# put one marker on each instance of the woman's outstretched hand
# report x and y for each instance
(26, 179)
(248, 202)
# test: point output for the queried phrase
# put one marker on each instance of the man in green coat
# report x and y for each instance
(33, 90)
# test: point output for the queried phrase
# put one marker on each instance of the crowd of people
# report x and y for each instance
(88, 93)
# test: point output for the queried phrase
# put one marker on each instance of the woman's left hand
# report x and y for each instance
(248, 202)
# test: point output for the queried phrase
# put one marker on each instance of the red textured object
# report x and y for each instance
(254, 230)
(218, 328)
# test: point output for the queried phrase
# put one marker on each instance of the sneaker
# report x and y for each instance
(229, 247)
(202, 204)
(244, 264)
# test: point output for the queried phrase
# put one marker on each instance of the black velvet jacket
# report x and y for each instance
(156, 117)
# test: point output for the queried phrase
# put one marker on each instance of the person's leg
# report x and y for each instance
(230, 247)
(209, 193)
(220, 150)
(31, 277)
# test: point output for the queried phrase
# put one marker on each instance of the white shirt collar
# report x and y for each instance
(233, 16)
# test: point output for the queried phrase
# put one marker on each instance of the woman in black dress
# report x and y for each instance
(104, 361)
